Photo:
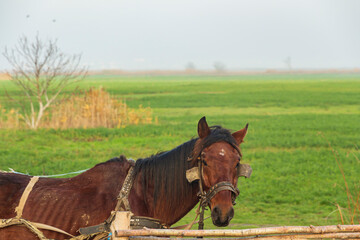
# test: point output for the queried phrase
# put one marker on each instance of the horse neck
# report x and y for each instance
(163, 209)
(178, 212)
(161, 182)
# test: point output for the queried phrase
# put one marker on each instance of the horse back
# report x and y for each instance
(11, 188)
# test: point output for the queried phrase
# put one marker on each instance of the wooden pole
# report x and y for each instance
(352, 235)
(280, 237)
(121, 222)
(242, 233)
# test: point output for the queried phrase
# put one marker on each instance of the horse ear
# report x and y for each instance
(203, 128)
(240, 135)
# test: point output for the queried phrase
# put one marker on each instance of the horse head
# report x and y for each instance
(217, 153)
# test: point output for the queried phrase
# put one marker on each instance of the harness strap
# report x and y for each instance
(125, 191)
(138, 222)
(123, 201)
(20, 221)
(103, 227)
(19, 209)
(121, 205)
(32, 226)
(221, 186)
(50, 228)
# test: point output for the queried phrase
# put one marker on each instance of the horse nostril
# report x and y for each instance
(216, 213)
(231, 213)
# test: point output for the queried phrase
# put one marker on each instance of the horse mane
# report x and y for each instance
(121, 158)
(166, 171)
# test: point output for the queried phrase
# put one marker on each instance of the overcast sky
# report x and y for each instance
(167, 34)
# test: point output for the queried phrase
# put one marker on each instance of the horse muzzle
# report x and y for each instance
(221, 216)
(222, 202)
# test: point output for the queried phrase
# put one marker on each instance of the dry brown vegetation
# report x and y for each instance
(10, 118)
(351, 213)
(90, 109)
(4, 76)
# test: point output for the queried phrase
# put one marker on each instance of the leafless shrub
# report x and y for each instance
(90, 109)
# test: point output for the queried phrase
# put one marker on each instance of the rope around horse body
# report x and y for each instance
(46, 176)
(54, 175)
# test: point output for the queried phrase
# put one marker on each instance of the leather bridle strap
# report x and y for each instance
(205, 197)
(222, 186)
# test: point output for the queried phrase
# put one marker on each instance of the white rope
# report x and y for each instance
(55, 175)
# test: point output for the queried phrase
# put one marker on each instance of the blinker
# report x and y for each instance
(192, 174)
(244, 170)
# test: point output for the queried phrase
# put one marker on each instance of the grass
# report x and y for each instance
(296, 179)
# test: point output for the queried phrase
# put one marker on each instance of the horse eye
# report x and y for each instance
(204, 162)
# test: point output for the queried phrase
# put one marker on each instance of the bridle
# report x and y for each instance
(205, 197)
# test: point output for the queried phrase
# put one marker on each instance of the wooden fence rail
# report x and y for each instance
(288, 232)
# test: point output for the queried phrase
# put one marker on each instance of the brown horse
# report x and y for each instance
(160, 188)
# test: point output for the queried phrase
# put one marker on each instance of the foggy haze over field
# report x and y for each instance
(179, 34)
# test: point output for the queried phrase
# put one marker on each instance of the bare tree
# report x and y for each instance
(41, 71)
(287, 62)
(190, 67)
(219, 67)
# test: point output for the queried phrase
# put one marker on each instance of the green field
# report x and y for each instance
(292, 119)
